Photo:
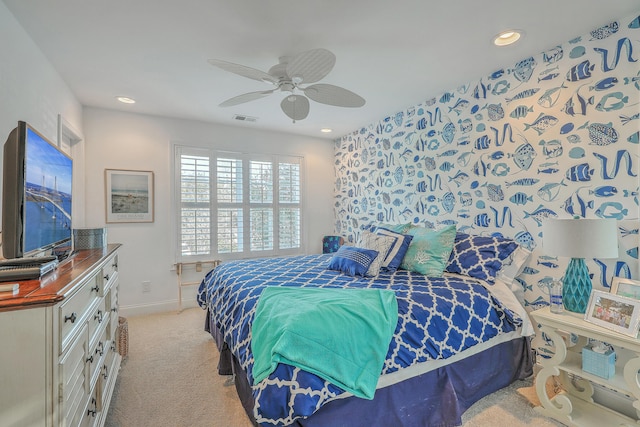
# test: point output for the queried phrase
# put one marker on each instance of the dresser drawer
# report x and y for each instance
(110, 273)
(97, 351)
(98, 319)
(73, 311)
(112, 307)
(91, 414)
(73, 377)
(109, 371)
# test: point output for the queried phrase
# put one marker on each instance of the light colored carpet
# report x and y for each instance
(169, 378)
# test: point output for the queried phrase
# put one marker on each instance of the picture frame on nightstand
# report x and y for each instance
(615, 312)
(624, 287)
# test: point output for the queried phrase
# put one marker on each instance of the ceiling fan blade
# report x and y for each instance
(295, 106)
(251, 96)
(243, 71)
(312, 65)
(333, 95)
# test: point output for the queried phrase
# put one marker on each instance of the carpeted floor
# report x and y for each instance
(169, 379)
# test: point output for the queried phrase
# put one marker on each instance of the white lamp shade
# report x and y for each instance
(580, 238)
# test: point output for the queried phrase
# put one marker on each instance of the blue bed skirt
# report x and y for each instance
(434, 399)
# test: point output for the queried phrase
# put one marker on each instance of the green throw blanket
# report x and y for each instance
(341, 335)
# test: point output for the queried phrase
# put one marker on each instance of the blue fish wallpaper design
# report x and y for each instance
(554, 135)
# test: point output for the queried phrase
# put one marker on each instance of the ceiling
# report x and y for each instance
(393, 54)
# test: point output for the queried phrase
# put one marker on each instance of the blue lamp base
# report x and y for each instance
(576, 288)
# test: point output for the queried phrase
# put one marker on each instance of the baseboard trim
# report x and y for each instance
(153, 308)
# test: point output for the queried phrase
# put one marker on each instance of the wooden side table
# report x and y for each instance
(575, 406)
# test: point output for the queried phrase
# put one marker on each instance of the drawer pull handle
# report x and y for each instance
(100, 348)
(114, 265)
(113, 346)
(93, 411)
(73, 318)
(98, 316)
(106, 277)
(96, 288)
(90, 359)
(114, 309)
(105, 375)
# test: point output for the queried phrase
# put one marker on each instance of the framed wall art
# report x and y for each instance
(620, 314)
(129, 196)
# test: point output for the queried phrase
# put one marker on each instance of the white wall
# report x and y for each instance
(31, 90)
(116, 140)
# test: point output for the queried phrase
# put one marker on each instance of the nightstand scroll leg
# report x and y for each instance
(631, 369)
(560, 348)
(578, 387)
(560, 407)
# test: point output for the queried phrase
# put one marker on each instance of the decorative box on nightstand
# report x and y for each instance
(598, 363)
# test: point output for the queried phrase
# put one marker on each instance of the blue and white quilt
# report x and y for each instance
(437, 318)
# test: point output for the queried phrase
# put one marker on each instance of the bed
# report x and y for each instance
(456, 340)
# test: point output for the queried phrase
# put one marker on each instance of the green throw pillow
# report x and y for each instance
(429, 250)
(397, 228)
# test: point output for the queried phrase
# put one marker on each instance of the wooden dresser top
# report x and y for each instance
(56, 285)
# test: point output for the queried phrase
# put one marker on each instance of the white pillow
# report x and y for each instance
(513, 265)
(369, 240)
(504, 294)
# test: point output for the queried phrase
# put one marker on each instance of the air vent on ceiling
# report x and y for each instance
(243, 118)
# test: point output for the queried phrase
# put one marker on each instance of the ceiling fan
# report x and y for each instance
(292, 75)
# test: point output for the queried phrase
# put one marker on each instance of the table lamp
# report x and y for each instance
(579, 239)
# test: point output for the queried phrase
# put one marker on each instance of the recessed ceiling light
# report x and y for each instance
(326, 130)
(126, 100)
(508, 37)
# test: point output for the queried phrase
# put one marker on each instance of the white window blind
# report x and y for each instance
(195, 212)
(289, 199)
(256, 210)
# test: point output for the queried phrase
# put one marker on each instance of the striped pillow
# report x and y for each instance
(352, 260)
(397, 250)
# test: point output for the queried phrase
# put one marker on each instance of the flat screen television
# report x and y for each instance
(36, 196)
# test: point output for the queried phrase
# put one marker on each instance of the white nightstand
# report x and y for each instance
(575, 406)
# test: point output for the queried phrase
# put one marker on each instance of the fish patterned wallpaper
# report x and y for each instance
(554, 135)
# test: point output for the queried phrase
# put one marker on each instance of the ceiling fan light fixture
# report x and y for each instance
(507, 37)
(287, 87)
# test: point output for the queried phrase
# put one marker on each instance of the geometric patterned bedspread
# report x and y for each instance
(437, 318)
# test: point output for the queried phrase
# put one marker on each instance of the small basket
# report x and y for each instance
(122, 335)
(89, 238)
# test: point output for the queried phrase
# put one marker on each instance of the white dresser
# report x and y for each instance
(58, 345)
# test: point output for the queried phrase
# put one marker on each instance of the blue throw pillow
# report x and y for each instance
(352, 260)
(397, 251)
(479, 256)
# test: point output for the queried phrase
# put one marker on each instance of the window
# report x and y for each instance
(238, 205)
